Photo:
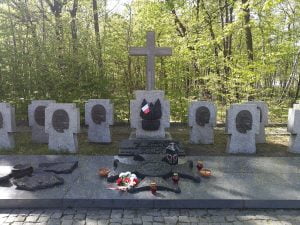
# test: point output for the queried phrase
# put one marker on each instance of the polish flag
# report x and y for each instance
(146, 109)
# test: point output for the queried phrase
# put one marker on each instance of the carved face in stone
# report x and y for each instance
(98, 114)
(243, 121)
(60, 120)
(39, 115)
(202, 116)
(172, 154)
(1, 121)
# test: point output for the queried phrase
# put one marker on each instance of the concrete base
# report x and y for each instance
(237, 182)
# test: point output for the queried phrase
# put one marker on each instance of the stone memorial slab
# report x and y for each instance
(99, 116)
(242, 126)
(202, 119)
(7, 126)
(62, 123)
(294, 128)
(150, 114)
(36, 116)
(263, 120)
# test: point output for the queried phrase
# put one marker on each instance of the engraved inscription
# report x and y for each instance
(1, 121)
(98, 114)
(39, 115)
(243, 121)
(60, 120)
(202, 116)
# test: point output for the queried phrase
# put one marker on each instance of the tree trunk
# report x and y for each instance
(248, 32)
(73, 14)
(97, 34)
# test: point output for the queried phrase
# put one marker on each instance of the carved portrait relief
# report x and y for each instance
(243, 121)
(98, 114)
(202, 116)
(60, 120)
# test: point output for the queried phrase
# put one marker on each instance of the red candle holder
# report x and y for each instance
(175, 178)
(199, 165)
(153, 187)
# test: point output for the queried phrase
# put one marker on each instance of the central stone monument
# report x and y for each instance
(150, 111)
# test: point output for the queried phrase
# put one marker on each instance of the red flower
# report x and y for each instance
(126, 180)
(119, 181)
(136, 181)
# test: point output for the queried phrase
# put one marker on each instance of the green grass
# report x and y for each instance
(276, 144)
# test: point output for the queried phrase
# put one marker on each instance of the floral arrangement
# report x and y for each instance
(126, 180)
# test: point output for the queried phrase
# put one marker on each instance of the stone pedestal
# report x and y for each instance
(136, 119)
(242, 126)
(62, 124)
(263, 120)
(36, 116)
(7, 126)
(202, 119)
(294, 128)
(99, 116)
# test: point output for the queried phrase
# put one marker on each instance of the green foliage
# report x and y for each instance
(40, 58)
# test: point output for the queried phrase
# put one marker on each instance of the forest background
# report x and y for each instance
(226, 51)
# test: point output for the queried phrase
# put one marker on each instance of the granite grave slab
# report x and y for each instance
(237, 182)
(263, 120)
(242, 126)
(99, 116)
(294, 128)
(202, 119)
(36, 116)
(62, 124)
(7, 126)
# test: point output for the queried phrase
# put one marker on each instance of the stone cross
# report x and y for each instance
(150, 51)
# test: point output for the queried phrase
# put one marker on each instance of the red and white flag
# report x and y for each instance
(146, 109)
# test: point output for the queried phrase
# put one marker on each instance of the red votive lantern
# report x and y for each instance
(175, 178)
(153, 187)
(199, 165)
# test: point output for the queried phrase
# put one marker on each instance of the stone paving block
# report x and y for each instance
(79, 216)
(103, 222)
(67, 217)
(104, 217)
(17, 223)
(183, 219)
(127, 221)
(91, 221)
(66, 222)
(53, 222)
(115, 220)
(147, 218)
(137, 221)
(78, 222)
(56, 215)
(171, 219)
(158, 219)
(43, 218)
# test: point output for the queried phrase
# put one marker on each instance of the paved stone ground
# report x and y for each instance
(147, 217)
